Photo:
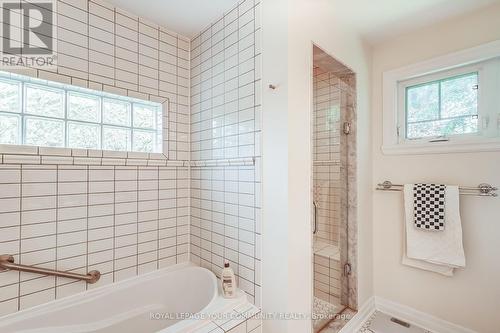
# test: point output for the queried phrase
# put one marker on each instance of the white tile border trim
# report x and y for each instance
(406, 313)
(246, 161)
(19, 154)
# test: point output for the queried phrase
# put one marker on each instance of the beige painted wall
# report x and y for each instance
(289, 29)
(472, 297)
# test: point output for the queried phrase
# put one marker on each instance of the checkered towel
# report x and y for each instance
(429, 206)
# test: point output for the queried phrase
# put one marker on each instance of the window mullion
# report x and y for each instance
(66, 126)
(405, 116)
(21, 92)
(489, 99)
(483, 113)
(439, 100)
(155, 145)
(496, 112)
(102, 122)
(131, 126)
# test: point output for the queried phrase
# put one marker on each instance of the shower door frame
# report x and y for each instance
(348, 244)
(348, 233)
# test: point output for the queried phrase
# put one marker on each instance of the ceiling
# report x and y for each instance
(186, 17)
(378, 20)
(375, 20)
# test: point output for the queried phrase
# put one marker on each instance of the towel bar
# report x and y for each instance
(482, 190)
(7, 263)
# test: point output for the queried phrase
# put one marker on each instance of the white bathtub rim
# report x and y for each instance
(82, 328)
(220, 305)
(96, 292)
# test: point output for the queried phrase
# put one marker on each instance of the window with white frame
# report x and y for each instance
(43, 113)
(447, 104)
(441, 108)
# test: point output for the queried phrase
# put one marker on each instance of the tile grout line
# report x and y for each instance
(176, 215)
(87, 171)
(20, 235)
(114, 221)
(137, 222)
(158, 224)
(56, 233)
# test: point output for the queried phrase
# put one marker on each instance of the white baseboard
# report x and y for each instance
(403, 312)
(418, 318)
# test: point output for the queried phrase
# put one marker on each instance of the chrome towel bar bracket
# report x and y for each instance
(7, 263)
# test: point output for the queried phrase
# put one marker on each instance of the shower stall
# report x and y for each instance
(333, 126)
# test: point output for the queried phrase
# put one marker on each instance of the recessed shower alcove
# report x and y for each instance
(333, 188)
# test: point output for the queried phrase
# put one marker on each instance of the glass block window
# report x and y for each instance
(442, 108)
(41, 113)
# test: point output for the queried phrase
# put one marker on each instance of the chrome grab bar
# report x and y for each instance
(7, 263)
(315, 225)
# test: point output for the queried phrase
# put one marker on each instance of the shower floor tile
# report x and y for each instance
(324, 312)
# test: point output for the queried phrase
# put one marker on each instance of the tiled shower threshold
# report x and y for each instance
(339, 321)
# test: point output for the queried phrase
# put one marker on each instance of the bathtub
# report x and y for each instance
(181, 298)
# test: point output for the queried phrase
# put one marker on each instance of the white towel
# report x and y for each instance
(436, 251)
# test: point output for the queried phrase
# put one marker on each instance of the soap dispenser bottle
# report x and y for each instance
(228, 281)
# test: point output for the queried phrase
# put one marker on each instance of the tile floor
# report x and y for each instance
(381, 323)
(378, 323)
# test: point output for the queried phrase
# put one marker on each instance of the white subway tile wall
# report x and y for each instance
(105, 48)
(225, 124)
(122, 221)
(125, 215)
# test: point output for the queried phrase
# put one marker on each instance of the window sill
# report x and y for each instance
(442, 148)
(18, 154)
